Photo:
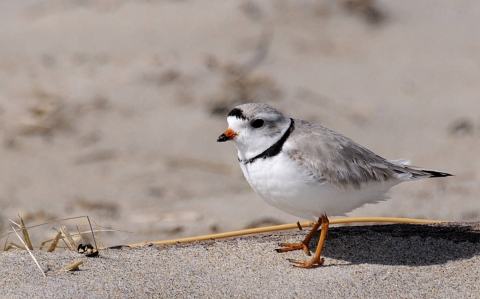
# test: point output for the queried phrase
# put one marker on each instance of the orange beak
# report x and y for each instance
(229, 134)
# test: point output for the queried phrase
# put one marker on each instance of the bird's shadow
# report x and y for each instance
(401, 244)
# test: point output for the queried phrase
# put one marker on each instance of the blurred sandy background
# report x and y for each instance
(112, 108)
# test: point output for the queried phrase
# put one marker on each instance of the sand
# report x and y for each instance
(111, 109)
(396, 261)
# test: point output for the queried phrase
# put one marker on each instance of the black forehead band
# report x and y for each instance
(238, 113)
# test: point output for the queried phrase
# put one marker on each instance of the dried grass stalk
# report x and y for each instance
(25, 234)
(70, 242)
(31, 254)
(73, 266)
(54, 242)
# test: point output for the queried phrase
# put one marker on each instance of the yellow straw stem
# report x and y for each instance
(287, 226)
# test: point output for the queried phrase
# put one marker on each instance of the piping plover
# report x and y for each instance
(310, 171)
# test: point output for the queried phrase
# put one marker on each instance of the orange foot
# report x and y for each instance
(307, 264)
(293, 246)
(316, 260)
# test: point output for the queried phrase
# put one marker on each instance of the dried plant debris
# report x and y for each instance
(54, 243)
(25, 234)
(70, 240)
(72, 267)
(29, 249)
(13, 245)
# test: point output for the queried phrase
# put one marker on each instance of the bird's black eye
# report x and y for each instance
(257, 123)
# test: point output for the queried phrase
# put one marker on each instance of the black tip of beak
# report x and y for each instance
(222, 138)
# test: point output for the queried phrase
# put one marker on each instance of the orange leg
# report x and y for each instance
(304, 244)
(316, 260)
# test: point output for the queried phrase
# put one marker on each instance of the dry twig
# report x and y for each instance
(31, 254)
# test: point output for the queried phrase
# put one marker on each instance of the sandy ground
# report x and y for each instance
(399, 261)
(112, 108)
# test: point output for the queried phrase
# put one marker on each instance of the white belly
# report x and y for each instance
(284, 184)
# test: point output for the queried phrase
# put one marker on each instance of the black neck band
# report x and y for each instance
(275, 149)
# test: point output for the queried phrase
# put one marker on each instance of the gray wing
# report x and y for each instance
(332, 157)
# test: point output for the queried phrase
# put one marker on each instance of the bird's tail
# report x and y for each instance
(407, 172)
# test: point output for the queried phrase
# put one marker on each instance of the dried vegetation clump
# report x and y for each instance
(64, 239)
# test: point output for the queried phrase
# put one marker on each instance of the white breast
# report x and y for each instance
(285, 184)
